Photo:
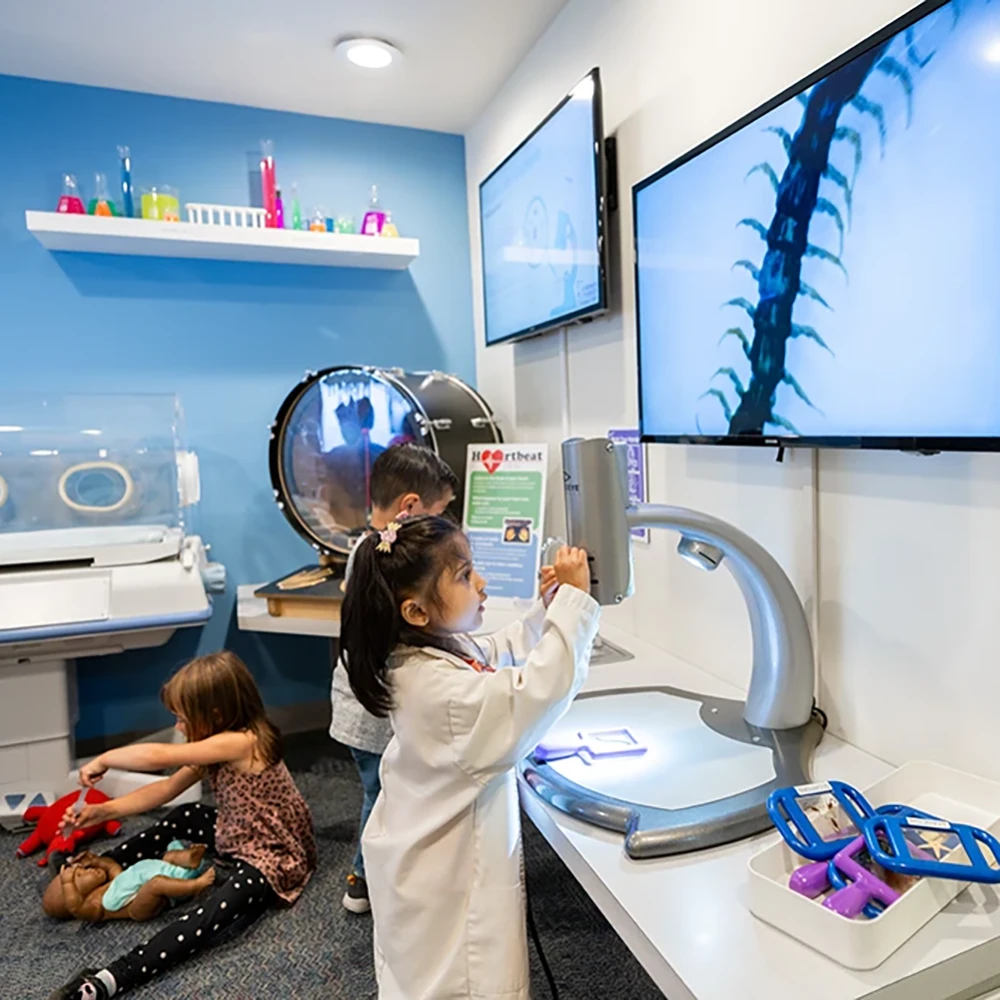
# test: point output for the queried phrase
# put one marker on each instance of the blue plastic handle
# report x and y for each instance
(895, 809)
(796, 828)
(837, 878)
(892, 850)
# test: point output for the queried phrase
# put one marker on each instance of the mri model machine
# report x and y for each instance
(334, 424)
(97, 496)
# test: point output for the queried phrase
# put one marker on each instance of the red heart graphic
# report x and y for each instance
(492, 460)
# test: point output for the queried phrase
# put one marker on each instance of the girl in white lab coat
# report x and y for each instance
(442, 848)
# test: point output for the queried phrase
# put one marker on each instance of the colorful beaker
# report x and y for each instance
(70, 201)
(374, 218)
(161, 204)
(128, 206)
(317, 224)
(389, 227)
(101, 203)
(268, 184)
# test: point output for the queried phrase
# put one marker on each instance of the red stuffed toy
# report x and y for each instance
(49, 832)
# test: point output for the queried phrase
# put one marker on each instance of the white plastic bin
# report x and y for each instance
(866, 944)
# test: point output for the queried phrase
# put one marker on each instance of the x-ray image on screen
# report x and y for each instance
(829, 270)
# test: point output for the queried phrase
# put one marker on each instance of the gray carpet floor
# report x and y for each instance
(316, 949)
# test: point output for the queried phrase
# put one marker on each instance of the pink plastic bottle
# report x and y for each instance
(268, 184)
(71, 203)
(374, 218)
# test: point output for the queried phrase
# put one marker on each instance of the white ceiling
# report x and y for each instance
(279, 53)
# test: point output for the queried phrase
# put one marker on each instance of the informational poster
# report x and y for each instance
(636, 471)
(504, 508)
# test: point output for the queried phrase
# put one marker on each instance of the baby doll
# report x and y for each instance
(96, 888)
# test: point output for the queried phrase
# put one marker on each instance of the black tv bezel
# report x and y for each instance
(601, 306)
(925, 445)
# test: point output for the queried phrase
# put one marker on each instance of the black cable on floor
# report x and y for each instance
(533, 931)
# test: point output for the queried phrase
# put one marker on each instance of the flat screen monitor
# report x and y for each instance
(825, 271)
(541, 215)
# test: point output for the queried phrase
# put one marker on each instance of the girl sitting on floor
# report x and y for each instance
(260, 831)
(442, 847)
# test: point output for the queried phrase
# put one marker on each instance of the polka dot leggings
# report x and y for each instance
(240, 895)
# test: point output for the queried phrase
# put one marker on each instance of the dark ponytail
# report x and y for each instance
(371, 625)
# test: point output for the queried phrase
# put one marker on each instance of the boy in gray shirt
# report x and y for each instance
(411, 480)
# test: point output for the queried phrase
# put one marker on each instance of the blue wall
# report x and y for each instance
(230, 339)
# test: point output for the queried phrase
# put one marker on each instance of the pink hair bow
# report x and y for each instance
(387, 536)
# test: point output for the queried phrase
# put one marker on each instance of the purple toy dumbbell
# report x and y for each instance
(810, 880)
(864, 887)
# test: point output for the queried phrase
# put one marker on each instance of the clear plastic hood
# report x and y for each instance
(95, 462)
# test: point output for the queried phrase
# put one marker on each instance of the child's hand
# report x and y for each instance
(92, 772)
(571, 567)
(92, 814)
(548, 583)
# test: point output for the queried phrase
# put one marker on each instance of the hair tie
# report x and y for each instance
(387, 536)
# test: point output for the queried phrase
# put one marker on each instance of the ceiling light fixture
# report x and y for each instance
(369, 53)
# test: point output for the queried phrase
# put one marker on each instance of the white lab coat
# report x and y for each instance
(443, 845)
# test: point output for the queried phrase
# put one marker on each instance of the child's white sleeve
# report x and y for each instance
(497, 719)
(510, 646)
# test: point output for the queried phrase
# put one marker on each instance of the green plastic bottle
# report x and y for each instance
(296, 209)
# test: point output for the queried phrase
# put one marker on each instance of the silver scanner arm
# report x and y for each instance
(599, 519)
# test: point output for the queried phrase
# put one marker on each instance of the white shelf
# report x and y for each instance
(143, 237)
(252, 614)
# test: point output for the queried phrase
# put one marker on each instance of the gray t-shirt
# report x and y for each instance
(351, 723)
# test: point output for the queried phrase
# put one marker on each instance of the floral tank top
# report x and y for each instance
(263, 820)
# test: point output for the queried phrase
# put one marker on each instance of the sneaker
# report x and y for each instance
(356, 897)
(83, 986)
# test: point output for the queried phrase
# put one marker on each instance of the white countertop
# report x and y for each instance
(252, 616)
(687, 919)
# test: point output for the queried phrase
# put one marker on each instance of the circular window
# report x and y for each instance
(329, 431)
(96, 487)
(335, 423)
